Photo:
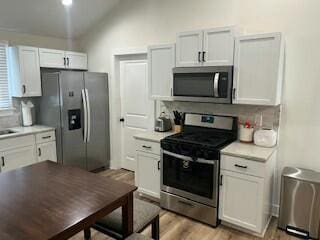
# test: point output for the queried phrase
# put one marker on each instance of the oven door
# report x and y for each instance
(196, 180)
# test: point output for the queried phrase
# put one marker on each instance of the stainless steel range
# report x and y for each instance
(190, 166)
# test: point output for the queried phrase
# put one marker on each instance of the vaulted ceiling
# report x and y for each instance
(51, 18)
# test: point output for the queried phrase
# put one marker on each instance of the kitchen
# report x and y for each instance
(143, 47)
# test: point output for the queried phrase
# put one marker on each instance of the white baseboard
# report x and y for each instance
(275, 210)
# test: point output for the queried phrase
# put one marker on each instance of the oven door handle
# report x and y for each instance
(186, 158)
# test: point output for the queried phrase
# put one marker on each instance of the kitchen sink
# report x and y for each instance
(6, 132)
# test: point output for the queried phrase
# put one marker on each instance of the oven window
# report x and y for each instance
(192, 177)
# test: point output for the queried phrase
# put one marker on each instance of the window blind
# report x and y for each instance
(5, 99)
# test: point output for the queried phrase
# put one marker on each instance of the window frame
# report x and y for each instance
(5, 111)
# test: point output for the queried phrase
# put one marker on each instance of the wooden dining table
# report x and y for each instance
(51, 201)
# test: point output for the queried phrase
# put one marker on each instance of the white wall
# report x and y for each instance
(15, 38)
(142, 22)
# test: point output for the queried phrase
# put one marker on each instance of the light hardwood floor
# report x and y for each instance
(176, 227)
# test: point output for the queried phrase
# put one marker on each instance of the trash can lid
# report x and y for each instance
(301, 174)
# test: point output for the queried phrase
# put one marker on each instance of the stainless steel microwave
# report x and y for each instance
(203, 84)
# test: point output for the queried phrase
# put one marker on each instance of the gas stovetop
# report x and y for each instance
(213, 140)
(203, 136)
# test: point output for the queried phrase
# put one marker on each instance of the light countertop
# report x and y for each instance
(153, 136)
(248, 151)
(22, 131)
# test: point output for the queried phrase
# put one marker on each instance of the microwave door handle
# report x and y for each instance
(216, 85)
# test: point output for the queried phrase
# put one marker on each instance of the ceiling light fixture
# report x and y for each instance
(67, 2)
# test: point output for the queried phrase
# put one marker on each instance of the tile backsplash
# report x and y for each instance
(15, 118)
(270, 115)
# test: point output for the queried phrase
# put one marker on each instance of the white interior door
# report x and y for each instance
(137, 109)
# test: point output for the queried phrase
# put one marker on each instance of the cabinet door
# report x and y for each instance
(161, 62)
(241, 200)
(17, 158)
(51, 58)
(148, 174)
(30, 71)
(258, 69)
(76, 60)
(218, 46)
(47, 151)
(189, 49)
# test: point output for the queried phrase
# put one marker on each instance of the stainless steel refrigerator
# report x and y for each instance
(76, 104)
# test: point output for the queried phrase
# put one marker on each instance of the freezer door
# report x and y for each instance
(73, 141)
(98, 150)
(49, 109)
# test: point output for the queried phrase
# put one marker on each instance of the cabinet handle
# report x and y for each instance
(234, 93)
(240, 166)
(147, 147)
(203, 56)
(186, 203)
(24, 89)
(68, 61)
(158, 165)
(221, 180)
(39, 152)
(46, 137)
(3, 163)
(199, 56)
(64, 61)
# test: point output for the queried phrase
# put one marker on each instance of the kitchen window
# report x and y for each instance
(5, 98)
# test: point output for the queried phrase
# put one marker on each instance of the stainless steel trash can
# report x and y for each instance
(300, 202)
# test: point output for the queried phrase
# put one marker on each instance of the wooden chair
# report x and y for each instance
(144, 214)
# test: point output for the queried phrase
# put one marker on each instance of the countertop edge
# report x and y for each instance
(248, 157)
(21, 134)
(147, 139)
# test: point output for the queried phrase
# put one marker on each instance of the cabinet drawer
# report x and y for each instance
(17, 142)
(147, 146)
(45, 137)
(242, 165)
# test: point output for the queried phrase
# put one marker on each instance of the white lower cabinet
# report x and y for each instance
(17, 152)
(47, 151)
(246, 193)
(17, 158)
(241, 200)
(148, 169)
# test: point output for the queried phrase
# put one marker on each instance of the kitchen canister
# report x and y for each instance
(246, 134)
(26, 113)
(265, 138)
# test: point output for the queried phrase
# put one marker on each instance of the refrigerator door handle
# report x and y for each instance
(85, 110)
(89, 116)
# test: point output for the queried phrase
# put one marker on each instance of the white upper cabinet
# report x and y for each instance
(76, 60)
(51, 58)
(161, 61)
(211, 47)
(218, 46)
(24, 71)
(189, 49)
(258, 69)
